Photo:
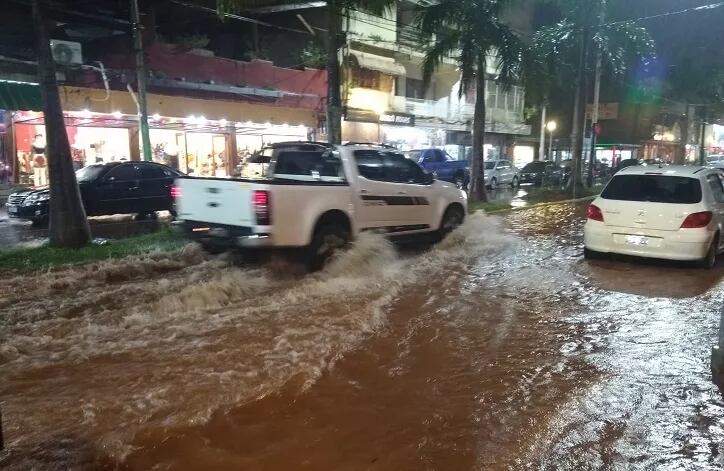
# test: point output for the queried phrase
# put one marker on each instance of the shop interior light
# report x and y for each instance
(156, 117)
(85, 113)
(267, 125)
(117, 114)
(285, 125)
(223, 122)
(249, 124)
(202, 120)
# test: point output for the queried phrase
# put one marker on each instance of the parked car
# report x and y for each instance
(715, 161)
(676, 213)
(500, 172)
(113, 188)
(319, 197)
(542, 172)
(442, 165)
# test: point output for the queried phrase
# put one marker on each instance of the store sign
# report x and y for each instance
(366, 116)
(397, 119)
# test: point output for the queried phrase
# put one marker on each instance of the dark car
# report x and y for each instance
(442, 165)
(541, 172)
(114, 188)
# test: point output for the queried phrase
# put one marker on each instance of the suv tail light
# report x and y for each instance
(697, 220)
(262, 207)
(175, 192)
(595, 213)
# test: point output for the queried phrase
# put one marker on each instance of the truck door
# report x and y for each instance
(378, 200)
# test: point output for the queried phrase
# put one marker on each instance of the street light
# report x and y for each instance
(551, 126)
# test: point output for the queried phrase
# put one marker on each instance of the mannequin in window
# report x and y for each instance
(40, 162)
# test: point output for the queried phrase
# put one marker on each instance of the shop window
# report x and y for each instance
(364, 78)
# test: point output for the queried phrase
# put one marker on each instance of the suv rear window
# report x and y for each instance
(654, 189)
(315, 165)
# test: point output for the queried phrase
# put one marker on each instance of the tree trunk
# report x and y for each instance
(477, 165)
(681, 151)
(334, 94)
(68, 223)
(579, 108)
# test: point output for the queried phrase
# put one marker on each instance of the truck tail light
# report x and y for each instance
(176, 192)
(697, 220)
(262, 207)
(595, 213)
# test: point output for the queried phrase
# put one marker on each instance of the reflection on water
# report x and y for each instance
(499, 349)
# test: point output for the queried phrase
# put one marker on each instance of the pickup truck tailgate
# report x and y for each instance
(215, 201)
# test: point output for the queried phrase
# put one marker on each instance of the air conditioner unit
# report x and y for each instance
(66, 52)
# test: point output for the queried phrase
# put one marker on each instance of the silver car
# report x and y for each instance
(501, 172)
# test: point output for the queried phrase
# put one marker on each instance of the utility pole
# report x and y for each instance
(141, 79)
(594, 118)
(542, 145)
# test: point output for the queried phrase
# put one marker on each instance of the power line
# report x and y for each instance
(710, 6)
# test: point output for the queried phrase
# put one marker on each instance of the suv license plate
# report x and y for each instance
(637, 240)
(12, 210)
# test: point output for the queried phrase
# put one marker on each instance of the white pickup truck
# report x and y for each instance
(318, 197)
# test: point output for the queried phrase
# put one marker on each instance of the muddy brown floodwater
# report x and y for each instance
(499, 349)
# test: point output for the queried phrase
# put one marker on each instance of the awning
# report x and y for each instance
(20, 96)
(386, 65)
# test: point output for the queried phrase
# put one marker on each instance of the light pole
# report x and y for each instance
(551, 127)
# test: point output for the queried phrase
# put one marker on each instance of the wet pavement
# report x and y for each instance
(499, 349)
(18, 233)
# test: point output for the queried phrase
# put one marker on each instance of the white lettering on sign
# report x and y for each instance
(397, 119)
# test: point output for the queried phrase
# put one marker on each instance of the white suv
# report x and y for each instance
(672, 212)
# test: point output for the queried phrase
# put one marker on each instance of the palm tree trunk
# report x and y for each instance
(579, 108)
(68, 223)
(477, 165)
(334, 94)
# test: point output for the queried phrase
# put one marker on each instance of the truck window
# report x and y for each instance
(370, 164)
(401, 170)
(314, 165)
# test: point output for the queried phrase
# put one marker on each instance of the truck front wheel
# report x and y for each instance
(327, 240)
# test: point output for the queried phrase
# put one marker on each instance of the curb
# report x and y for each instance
(538, 205)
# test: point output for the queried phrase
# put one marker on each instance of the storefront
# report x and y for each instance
(194, 144)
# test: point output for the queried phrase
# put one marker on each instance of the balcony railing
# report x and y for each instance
(408, 36)
(452, 112)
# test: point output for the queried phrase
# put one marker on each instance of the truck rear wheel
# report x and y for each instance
(451, 220)
(327, 240)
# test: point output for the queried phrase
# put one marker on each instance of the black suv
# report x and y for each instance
(113, 188)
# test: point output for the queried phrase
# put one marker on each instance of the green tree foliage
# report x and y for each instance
(472, 32)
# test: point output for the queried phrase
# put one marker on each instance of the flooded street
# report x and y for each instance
(498, 349)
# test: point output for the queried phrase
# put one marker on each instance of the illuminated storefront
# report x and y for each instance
(108, 131)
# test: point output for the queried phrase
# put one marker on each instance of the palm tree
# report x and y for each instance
(337, 11)
(472, 33)
(68, 223)
(566, 46)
